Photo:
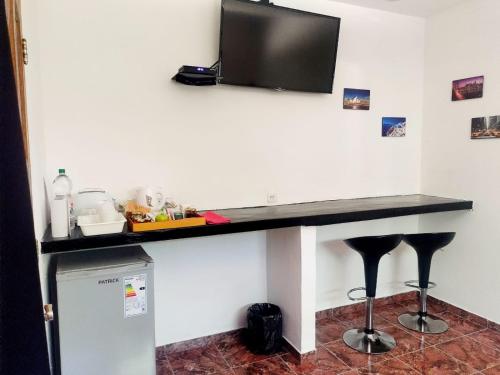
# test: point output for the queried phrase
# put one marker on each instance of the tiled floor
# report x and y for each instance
(469, 347)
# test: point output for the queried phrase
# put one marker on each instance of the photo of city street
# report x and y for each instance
(485, 127)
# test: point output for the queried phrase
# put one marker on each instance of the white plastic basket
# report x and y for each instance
(92, 226)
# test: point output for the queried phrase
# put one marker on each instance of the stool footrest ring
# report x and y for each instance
(414, 284)
(356, 298)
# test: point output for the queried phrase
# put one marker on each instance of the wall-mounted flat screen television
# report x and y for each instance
(265, 45)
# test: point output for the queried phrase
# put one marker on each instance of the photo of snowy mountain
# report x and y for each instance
(393, 126)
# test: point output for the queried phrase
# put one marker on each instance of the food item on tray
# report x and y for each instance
(135, 208)
(161, 217)
(170, 203)
(190, 212)
(170, 211)
(140, 218)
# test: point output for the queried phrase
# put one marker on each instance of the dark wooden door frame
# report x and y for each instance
(23, 341)
(17, 47)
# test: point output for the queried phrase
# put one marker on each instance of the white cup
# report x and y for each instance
(152, 198)
(106, 211)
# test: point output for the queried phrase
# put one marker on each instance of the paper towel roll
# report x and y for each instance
(59, 217)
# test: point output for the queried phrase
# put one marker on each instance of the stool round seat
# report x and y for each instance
(425, 245)
(374, 245)
(429, 242)
(372, 249)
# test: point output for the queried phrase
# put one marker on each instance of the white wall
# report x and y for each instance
(339, 268)
(113, 118)
(204, 285)
(291, 283)
(460, 43)
(34, 103)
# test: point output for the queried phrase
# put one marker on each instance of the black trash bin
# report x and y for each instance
(265, 328)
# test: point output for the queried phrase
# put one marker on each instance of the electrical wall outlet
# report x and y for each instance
(272, 198)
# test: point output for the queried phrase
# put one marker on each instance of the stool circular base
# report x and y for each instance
(428, 324)
(375, 343)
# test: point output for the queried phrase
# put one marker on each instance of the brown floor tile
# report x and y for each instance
(390, 367)
(321, 363)
(324, 314)
(160, 353)
(329, 330)
(494, 326)
(353, 358)
(270, 366)
(163, 367)
(359, 321)
(461, 325)
(467, 315)
(354, 315)
(228, 371)
(184, 345)
(405, 342)
(436, 302)
(436, 308)
(404, 297)
(487, 337)
(378, 322)
(392, 312)
(476, 319)
(466, 348)
(492, 371)
(380, 303)
(471, 352)
(432, 339)
(432, 308)
(236, 353)
(350, 312)
(207, 360)
(435, 339)
(433, 361)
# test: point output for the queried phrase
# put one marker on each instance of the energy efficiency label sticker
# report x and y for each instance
(135, 299)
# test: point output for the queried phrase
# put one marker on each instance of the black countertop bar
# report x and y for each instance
(270, 217)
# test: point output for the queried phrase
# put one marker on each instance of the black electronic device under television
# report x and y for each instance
(265, 45)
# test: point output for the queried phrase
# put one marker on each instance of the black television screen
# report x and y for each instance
(276, 47)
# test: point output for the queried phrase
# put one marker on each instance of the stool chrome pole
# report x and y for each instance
(422, 321)
(372, 248)
(368, 340)
(425, 245)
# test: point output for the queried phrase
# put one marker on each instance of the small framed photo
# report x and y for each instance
(357, 99)
(467, 88)
(393, 126)
(485, 127)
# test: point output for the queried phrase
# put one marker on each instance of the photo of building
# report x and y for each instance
(357, 99)
(468, 88)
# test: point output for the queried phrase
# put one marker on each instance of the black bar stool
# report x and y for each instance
(371, 249)
(425, 244)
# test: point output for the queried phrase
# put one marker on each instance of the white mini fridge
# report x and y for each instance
(104, 312)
